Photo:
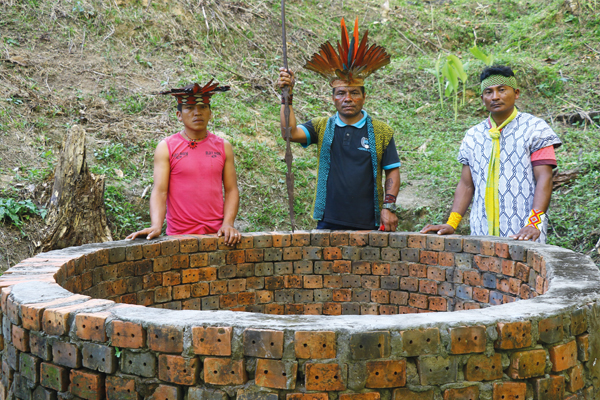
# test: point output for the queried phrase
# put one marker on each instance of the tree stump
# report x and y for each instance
(76, 213)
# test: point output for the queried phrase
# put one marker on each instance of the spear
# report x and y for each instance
(287, 130)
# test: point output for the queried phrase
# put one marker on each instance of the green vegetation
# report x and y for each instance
(16, 212)
(100, 65)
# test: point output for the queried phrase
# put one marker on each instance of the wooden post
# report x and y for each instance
(76, 213)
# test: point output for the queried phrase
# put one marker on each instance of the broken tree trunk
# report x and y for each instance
(76, 212)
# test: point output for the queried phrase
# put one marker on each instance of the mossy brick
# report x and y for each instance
(399, 298)
(116, 254)
(386, 374)
(224, 371)
(399, 268)
(323, 267)
(292, 253)
(284, 296)
(201, 393)
(351, 281)
(463, 260)
(390, 282)
(151, 281)
(578, 322)
(360, 396)
(409, 284)
(361, 295)
(39, 346)
(188, 244)
(369, 309)
(181, 292)
(87, 385)
(407, 394)
(390, 255)
(350, 253)
(54, 377)
(273, 254)
(369, 282)
(120, 388)
(41, 393)
(217, 258)
(513, 335)
(200, 289)
(322, 295)
(313, 309)
(446, 289)
(315, 344)
(177, 369)
(550, 388)
(6, 376)
(29, 367)
(171, 278)
(429, 257)
(262, 241)
(20, 338)
(136, 363)
(276, 374)
(166, 392)
(165, 339)
(303, 267)
(236, 285)
(226, 271)
(210, 303)
(437, 370)
(563, 356)
(283, 268)
(576, 379)
(163, 294)
(417, 270)
(435, 243)
(312, 253)
(583, 347)
(245, 270)
(337, 238)
(370, 345)
(332, 281)
(294, 309)
(387, 309)
(161, 264)
(21, 387)
(416, 342)
(207, 243)
(66, 354)
(198, 260)
(350, 309)
(462, 393)
(468, 339)
(417, 241)
(281, 239)
(380, 296)
(370, 253)
(480, 367)
(397, 240)
(303, 296)
(509, 391)
(489, 280)
(246, 242)
(254, 395)
(378, 239)
(319, 238)
(324, 377)
(263, 343)
(551, 329)
(99, 358)
(274, 309)
(263, 269)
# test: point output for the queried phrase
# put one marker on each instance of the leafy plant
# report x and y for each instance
(16, 211)
(480, 55)
(460, 71)
(451, 74)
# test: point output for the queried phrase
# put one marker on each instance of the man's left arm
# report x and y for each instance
(388, 218)
(232, 199)
(541, 200)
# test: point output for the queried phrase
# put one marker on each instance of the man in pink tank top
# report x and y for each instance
(191, 169)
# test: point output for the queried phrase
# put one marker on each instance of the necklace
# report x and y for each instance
(192, 143)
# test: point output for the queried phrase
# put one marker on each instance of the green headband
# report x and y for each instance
(494, 80)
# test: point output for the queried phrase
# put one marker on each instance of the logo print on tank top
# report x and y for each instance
(179, 156)
(213, 154)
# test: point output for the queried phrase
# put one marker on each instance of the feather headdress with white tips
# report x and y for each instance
(194, 93)
(352, 63)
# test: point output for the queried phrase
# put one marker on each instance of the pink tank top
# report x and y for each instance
(195, 195)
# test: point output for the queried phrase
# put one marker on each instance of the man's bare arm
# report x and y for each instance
(392, 185)
(541, 200)
(232, 199)
(462, 199)
(158, 198)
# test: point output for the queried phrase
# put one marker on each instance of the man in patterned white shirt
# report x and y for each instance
(507, 167)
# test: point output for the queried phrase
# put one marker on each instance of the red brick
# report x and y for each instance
(438, 304)
(380, 296)
(313, 281)
(472, 278)
(418, 301)
(313, 309)
(276, 309)
(54, 320)
(200, 289)
(235, 257)
(294, 309)
(276, 374)
(521, 271)
(332, 309)
(361, 268)
(315, 345)
(128, 335)
(509, 391)
(358, 238)
(482, 368)
(386, 374)
(218, 287)
(481, 295)
(307, 396)
(400, 298)
(166, 392)
(465, 393)
(166, 339)
(66, 354)
(468, 339)
(342, 266)
(576, 378)
(563, 356)
(87, 385)
(332, 253)
(198, 260)
(417, 270)
(428, 287)
(417, 241)
(551, 388)
(407, 394)
(32, 313)
(388, 310)
(177, 369)
(379, 268)
(292, 281)
(120, 388)
(224, 371)
(20, 338)
(182, 292)
(324, 377)
(513, 335)
(246, 298)
(342, 295)
(281, 239)
(171, 278)
(212, 341)
(428, 257)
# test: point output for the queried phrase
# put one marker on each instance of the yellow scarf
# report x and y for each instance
(492, 200)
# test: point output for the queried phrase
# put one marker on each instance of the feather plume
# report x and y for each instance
(191, 93)
(353, 61)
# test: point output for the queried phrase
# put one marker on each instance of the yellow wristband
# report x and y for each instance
(454, 220)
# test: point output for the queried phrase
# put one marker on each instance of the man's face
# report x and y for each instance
(194, 117)
(499, 99)
(348, 100)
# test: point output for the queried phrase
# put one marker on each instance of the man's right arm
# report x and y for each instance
(297, 134)
(462, 199)
(158, 198)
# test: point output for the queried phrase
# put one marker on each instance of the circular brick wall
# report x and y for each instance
(321, 320)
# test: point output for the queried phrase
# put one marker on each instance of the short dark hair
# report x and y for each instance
(362, 89)
(503, 70)
(180, 107)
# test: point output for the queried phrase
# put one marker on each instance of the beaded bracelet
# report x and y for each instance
(535, 218)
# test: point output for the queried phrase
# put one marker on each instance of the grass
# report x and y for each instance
(100, 66)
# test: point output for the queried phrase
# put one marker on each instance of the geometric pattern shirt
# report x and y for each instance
(519, 139)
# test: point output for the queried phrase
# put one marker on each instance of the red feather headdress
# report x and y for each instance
(194, 93)
(352, 63)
